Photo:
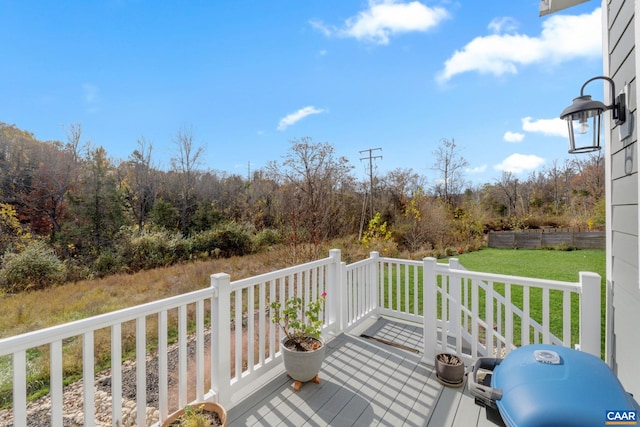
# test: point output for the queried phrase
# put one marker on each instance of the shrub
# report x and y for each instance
(36, 267)
(153, 249)
(108, 262)
(378, 237)
(268, 237)
(426, 223)
(229, 240)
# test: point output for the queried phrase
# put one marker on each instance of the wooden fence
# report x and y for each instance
(535, 239)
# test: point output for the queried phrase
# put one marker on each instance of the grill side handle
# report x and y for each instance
(484, 394)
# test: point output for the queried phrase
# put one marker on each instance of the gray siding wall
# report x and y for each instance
(624, 199)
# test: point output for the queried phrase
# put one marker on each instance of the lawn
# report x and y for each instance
(542, 264)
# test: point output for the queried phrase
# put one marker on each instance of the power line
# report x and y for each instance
(371, 158)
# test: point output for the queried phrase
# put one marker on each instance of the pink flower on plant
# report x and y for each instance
(323, 294)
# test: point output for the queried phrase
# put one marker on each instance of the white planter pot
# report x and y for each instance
(302, 366)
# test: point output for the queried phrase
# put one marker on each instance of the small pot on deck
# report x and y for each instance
(450, 369)
(201, 407)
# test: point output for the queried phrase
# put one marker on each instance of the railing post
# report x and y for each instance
(221, 338)
(344, 298)
(455, 306)
(430, 312)
(590, 313)
(374, 270)
(334, 285)
(88, 378)
(20, 387)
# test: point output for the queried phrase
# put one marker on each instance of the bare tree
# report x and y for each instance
(587, 183)
(425, 224)
(57, 172)
(509, 186)
(139, 182)
(450, 166)
(559, 185)
(399, 185)
(312, 182)
(185, 164)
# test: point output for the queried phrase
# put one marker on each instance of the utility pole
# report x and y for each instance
(371, 158)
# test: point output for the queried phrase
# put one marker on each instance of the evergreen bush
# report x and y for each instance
(153, 249)
(108, 262)
(36, 267)
(268, 237)
(231, 239)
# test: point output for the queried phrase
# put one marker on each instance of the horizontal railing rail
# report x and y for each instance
(232, 364)
(58, 338)
(226, 344)
(484, 314)
(255, 346)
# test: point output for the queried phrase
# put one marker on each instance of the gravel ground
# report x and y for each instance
(39, 412)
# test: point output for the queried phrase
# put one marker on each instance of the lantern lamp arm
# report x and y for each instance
(618, 103)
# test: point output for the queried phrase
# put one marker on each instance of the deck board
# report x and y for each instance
(365, 382)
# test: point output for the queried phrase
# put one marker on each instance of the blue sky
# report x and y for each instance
(247, 77)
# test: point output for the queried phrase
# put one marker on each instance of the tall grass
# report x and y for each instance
(29, 311)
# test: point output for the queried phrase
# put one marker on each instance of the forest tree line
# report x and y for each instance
(68, 211)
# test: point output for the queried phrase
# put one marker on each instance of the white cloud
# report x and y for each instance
(477, 169)
(292, 118)
(550, 127)
(319, 25)
(513, 136)
(563, 38)
(384, 18)
(504, 24)
(518, 163)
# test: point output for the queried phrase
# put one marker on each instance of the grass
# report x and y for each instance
(543, 264)
(540, 264)
(29, 311)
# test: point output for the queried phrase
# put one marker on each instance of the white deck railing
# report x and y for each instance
(468, 313)
(483, 314)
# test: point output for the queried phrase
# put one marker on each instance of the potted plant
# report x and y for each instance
(205, 414)
(449, 369)
(302, 347)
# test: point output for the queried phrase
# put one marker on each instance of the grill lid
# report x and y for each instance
(544, 385)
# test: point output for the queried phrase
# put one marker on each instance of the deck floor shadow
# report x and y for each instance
(364, 382)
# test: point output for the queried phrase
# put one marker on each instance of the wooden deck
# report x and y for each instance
(365, 382)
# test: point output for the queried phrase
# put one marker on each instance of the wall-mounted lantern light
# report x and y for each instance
(584, 118)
